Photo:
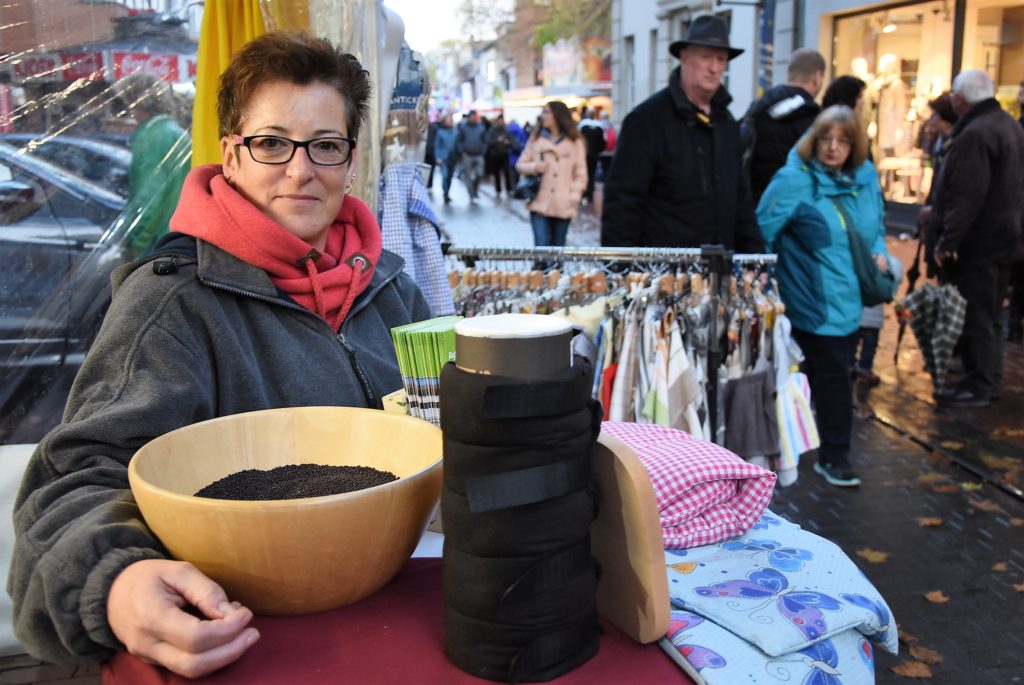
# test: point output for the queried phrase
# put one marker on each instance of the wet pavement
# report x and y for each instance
(937, 498)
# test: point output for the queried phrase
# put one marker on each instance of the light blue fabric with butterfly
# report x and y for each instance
(779, 596)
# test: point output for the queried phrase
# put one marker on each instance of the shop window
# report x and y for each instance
(904, 54)
(994, 42)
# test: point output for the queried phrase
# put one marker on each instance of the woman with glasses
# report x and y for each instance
(556, 153)
(826, 189)
(272, 290)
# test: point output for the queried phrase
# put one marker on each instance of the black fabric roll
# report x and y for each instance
(551, 580)
(531, 529)
(520, 654)
(516, 504)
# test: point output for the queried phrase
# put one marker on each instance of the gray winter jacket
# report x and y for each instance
(187, 338)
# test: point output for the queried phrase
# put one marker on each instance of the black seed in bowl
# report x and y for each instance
(295, 481)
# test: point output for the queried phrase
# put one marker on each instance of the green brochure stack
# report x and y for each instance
(423, 348)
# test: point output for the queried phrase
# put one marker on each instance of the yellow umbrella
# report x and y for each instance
(227, 26)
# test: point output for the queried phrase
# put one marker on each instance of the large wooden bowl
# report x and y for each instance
(300, 555)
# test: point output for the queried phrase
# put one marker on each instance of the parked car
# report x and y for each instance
(104, 164)
(57, 252)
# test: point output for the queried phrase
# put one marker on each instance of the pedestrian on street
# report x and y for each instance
(270, 265)
(1015, 322)
(470, 147)
(161, 155)
(556, 153)
(776, 121)
(428, 152)
(519, 138)
(499, 144)
(939, 128)
(593, 137)
(845, 90)
(677, 179)
(827, 189)
(976, 218)
(444, 153)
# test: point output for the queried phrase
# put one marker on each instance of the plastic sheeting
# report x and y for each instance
(78, 194)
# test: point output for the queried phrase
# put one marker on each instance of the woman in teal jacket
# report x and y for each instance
(825, 189)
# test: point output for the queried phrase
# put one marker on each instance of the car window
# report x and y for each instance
(36, 206)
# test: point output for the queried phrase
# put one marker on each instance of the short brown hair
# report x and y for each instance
(804, 64)
(844, 117)
(296, 58)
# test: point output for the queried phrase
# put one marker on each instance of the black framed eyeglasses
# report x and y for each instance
(327, 151)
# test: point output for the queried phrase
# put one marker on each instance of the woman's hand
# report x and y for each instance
(145, 611)
(882, 263)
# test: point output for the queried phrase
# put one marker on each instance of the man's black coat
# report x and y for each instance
(676, 181)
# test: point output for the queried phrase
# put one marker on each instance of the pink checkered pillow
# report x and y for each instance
(706, 494)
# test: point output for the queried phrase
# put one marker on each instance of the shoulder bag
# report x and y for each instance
(876, 286)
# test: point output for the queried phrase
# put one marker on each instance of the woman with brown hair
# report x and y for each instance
(272, 290)
(556, 153)
(827, 190)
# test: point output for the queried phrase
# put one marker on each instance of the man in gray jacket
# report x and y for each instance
(470, 146)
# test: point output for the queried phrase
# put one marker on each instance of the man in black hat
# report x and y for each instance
(676, 178)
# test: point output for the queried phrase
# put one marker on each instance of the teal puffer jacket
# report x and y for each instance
(801, 223)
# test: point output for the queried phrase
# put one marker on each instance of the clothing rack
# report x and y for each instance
(717, 260)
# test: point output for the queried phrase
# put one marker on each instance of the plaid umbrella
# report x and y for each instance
(937, 319)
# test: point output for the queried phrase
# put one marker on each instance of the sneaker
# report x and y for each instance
(840, 476)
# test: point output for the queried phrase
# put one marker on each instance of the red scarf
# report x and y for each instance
(324, 283)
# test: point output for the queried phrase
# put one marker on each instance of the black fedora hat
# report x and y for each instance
(707, 30)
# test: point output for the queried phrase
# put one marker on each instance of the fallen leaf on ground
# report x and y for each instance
(1016, 521)
(912, 669)
(1005, 432)
(994, 462)
(937, 456)
(936, 597)
(970, 487)
(1000, 567)
(929, 521)
(873, 555)
(951, 445)
(931, 477)
(945, 489)
(985, 505)
(905, 637)
(1019, 587)
(928, 656)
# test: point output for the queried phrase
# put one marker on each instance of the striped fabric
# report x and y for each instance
(798, 431)
(705, 493)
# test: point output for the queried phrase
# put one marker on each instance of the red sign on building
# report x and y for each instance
(82, 65)
(162, 66)
(42, 67)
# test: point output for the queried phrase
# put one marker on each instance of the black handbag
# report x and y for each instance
(526, 188)
(876, 286)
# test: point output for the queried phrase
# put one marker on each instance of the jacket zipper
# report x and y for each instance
(364, 382)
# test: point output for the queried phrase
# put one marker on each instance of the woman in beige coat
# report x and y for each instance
(556, 153)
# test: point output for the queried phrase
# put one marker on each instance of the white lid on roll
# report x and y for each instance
(512, 326)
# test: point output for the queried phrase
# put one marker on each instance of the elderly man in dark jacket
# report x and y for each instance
(676, 178)
(976, 216)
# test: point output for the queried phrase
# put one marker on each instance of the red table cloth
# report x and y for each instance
(393, 636)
